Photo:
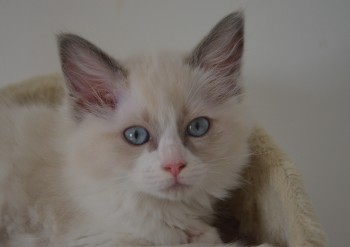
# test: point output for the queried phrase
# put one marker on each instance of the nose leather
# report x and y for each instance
(174, 169)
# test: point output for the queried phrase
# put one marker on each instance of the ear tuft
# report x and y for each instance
(92, 77)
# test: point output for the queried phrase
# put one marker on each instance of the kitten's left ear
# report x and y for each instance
(220, 54)
(93, 78)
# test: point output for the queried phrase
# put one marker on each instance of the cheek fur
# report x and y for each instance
(223, 152)
(194, 173)
(101, 154)
(226, 137)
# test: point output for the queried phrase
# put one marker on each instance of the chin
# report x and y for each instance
(177, 192)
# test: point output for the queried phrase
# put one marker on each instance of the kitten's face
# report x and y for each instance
(170, 128)
(164, 97)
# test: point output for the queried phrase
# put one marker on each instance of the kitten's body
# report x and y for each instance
(69, 178)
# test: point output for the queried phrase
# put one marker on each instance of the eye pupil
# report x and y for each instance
(197, 125)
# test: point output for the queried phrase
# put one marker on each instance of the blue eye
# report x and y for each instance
(198, 127)
(136, 135)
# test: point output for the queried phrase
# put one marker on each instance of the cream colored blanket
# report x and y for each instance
(272, 205)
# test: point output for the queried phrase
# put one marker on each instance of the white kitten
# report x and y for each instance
(136, 154)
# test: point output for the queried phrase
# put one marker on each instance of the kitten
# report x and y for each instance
(137, 153)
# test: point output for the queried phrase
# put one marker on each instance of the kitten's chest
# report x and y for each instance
(146, 223)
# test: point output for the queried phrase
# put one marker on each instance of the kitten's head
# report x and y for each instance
(165, 125)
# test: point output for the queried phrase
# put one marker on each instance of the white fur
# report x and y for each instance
(111, 199)
(77, 182)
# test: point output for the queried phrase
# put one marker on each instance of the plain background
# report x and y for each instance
(297, 69)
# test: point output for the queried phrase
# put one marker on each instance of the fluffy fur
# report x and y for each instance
(68, 177)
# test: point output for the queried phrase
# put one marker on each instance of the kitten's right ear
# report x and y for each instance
(93, 78)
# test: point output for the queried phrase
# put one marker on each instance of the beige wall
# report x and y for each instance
(297, 69)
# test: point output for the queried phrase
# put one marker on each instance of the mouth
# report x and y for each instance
(176, 187)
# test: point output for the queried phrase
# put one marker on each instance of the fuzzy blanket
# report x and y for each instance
(272, 205)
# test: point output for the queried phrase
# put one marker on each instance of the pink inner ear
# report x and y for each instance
(101, 99)
(91, 82)
(92, 92)
(225, 57)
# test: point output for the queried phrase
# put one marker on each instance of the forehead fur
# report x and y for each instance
(157, 78)
(158, 84)
(164, 85)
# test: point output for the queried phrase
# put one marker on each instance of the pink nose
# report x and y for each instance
(174, 169)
